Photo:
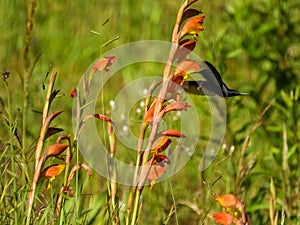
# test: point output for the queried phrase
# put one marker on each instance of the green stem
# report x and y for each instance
(136, 207)
(25, 107)
(27, 70)
(13, 165)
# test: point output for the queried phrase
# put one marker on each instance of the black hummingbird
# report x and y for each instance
(213, 85)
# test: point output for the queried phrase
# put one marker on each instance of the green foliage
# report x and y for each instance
(255, 46)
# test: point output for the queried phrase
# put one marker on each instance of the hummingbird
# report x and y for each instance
(213, 85)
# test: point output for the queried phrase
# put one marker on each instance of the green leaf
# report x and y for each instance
(234, 53)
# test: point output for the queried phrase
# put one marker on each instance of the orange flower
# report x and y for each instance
(176, 106)
(73, 93)
(184, 48)
(103, 64)
(158, 168)
(223, 218)
(98, 116)
(226, 219)
(227, 201)
(171, 133)
(150, 112)
(56, 149)
(181, 72)
(183, 69)
(193, 26)
(161, 144)
(51, 172)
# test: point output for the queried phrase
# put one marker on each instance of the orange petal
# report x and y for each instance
(150, 112)
(171, 133)
(161, 159)
(98, 116)
(102, 117)
(184, 68)
(227, 201)
(158, 167)
(52, 171)
(223, 218)
(161, 144)
(176, 106)
(103, 64)
(185, 47)
(73, 93)
(56, 149)
(193, 26)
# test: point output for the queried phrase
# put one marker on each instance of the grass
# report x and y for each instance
(254, 46)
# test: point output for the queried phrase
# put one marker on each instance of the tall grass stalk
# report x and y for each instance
(14, 178)
(27, 68)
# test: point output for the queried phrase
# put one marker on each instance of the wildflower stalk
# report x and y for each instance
(142, 157)
(39, 147)
(45, 123)
(67, 170)
(141, 136)
(112, 185)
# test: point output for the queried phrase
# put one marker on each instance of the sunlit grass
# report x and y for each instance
(68, 36)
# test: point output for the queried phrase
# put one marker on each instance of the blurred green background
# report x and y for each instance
(254, 44)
